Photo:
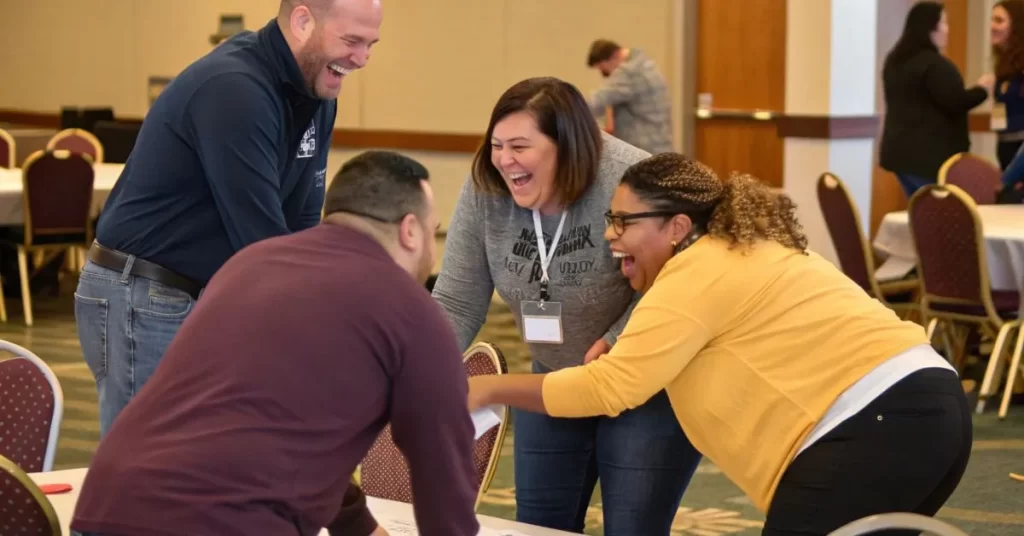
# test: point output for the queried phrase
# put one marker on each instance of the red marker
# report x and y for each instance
(51, 489)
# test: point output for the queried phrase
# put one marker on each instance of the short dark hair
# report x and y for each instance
(601, 50)
(562, 114)
(380, 185)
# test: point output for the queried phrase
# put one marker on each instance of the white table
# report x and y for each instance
(64, 505)
(11, 188)
(1002, 227)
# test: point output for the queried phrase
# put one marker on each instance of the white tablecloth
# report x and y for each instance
(386, 512)
(1002, 226)
(10, 191)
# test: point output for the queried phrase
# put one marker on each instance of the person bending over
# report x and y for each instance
(302, 349)
(816, 400)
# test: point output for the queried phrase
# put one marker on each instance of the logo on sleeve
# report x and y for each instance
(307, 147)
(320, 177)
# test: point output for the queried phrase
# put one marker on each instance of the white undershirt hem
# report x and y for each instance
(872, 385)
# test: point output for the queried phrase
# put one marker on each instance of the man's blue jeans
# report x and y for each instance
(124, 325)
(642, 458)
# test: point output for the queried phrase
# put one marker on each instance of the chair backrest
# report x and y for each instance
(77, 140)
(31, 409)
(7, 150)
(384, 472)
(118, 139)
(980, 179)
(927, 526)
(843, 222)
(948, 240)
(57, 194)
(24, 509)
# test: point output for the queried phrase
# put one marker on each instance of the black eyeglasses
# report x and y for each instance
(618, 221)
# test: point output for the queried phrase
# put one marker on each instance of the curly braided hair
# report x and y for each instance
(741, 210)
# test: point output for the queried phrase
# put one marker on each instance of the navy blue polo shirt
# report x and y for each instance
(232, 152)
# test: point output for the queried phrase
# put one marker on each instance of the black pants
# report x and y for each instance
(1005, 151)
(905, 452)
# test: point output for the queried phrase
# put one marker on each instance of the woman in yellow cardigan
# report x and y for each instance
(816, 400)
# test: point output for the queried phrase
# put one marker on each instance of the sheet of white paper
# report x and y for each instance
(484, 531)
(405, 527)
(398, 527)
(894, 268)
(486, 418)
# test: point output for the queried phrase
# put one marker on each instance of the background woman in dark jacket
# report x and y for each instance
(926, 102)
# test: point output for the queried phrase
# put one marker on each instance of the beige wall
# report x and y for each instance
(100, 52)
(439, 67)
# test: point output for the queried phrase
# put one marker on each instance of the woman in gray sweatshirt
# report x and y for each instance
(545, 169)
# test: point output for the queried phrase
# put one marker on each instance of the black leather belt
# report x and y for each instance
(115, 260)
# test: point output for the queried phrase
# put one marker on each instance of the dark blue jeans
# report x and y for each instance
(642, 458)
(912, 183)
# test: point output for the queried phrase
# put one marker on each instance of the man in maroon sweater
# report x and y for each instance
(300, 350)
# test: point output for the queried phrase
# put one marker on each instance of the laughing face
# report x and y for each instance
(339, 44)
(526, 159)
(643, 241)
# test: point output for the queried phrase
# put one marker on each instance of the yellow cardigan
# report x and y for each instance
(752, 349)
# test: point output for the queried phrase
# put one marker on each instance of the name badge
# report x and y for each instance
(542, 322)
(998, 117)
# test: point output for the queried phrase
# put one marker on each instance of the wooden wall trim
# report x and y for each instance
(343, 138)
(804, 126)
(30, 119)
(980, 122)
(827, 127)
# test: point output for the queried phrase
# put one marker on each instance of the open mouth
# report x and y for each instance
(520, 180)
(337, 71)
(627, 263)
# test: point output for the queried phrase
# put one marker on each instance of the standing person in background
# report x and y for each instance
(530, 224)
(925, 100)
(637, 94)
(1008, 53)
(234, 151)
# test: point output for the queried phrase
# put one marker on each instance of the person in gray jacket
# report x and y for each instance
(529, 223)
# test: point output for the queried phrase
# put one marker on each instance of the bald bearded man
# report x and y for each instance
(233, 152)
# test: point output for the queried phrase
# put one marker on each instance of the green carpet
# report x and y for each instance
(987, 502)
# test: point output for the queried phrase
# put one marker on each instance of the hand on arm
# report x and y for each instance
(236, 130)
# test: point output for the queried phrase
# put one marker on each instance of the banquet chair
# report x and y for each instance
(24, 508)
(7, 150)
(384, 472)
(977, 177)
(855, 256)
(955, 290)
(31, 411)
(928, 526)
(57, 190)
(77, 140)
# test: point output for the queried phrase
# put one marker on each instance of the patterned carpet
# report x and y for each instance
(987, 503)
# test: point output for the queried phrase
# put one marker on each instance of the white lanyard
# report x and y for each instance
(542, 249)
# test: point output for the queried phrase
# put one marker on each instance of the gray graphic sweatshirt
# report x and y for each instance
(492, 245)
